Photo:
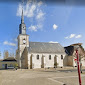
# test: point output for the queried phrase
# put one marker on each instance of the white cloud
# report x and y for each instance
(40, 15)
(19, 10)
(33, 28)
(40, 3)
(78, 36)
(39, 26)
(66, 37)
(33, 11)
(53, 42)
(30, 9)
(73, 36)
(9, 43)
(55, 26)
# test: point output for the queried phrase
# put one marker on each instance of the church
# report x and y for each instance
(31, 55)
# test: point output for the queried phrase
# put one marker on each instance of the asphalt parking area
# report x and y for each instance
(68, 80)
(39, 77)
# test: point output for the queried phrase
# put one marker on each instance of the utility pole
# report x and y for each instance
(79, 74)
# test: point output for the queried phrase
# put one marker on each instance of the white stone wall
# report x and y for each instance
(47, 63)
(74, 63)
(20, 40)
(83, 61)
(37, 62)
(65, 60)
(29, 55)
(22, 46)
(60, 61)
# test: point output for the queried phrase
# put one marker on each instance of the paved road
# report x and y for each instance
(39, 77)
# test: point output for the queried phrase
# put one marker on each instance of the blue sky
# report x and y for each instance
(45, 22)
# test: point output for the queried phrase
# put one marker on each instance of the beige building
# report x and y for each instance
(71, 59)
(37, 54)
(10, 62)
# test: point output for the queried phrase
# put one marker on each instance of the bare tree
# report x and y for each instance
(12, 55)
(81, 53)
(6, 54)
(81, 57)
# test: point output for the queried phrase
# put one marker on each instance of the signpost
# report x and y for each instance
(79, 75)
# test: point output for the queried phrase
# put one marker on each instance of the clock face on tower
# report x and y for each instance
(24, 28)
(24, 41)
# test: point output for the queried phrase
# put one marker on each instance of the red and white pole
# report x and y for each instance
(78, 66)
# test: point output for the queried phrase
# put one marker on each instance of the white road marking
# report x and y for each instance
(56, 81)
(63, 77)
(69, 76)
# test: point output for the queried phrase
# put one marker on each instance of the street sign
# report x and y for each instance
(75, 59)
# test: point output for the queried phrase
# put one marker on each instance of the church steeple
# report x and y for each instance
(22, 26)
(22, 17)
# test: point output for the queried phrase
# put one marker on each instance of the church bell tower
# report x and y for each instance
(23, 39)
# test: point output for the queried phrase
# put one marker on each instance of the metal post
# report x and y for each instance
(79, 75)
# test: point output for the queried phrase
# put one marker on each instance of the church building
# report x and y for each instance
(33, 55)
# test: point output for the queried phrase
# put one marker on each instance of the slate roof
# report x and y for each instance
(69, 50)
(45, 47)
(10, 59)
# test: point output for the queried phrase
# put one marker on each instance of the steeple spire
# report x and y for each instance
(22, 26)
(22, 17)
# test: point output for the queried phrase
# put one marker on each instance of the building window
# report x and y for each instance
(37, 57)
(49, 57)
(61, 56)
(11, 65)
(3, 65)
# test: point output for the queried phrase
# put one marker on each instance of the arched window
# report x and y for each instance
(61, 56)
(49, 57)
(37, 57)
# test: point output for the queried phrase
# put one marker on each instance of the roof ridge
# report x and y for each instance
(44, 42)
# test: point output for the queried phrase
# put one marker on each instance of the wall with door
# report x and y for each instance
(39, 60)
(9, 64)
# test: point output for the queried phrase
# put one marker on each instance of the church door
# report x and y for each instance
(31, 62)
(5, 66)
(42, 62)
(55, 61)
